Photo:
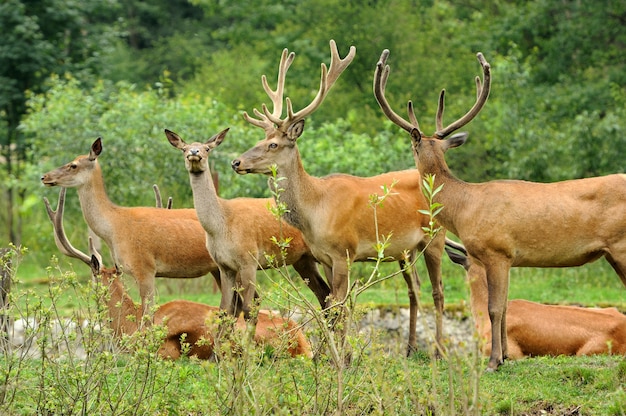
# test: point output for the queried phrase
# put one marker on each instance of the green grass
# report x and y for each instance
(375, 383)
(594, 284)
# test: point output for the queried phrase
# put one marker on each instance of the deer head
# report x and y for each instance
(196, 154)
(77, 172)
(281, 132)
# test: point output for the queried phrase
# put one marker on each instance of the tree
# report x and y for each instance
(39, 38)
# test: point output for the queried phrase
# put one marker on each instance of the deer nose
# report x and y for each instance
(194, 152)
(235, 164)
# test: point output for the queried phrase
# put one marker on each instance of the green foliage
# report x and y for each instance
(556, 109)
(377, 381)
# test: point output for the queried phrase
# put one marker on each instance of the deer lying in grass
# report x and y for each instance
(508, 223)
(334, 213)
(240, 232)
(146, 242)
(535, 329)
(187, 323)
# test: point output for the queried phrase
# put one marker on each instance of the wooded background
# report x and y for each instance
(71, 71)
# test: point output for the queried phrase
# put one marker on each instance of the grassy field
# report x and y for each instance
(375, 382)
(594, 284)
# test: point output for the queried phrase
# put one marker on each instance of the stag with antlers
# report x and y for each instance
(512, 223)
(334, 212)
(191, 323)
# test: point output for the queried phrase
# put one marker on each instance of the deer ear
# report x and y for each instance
(174, 139)
(456, 140)
(295, 130)
(95, 265)
(217, 139)
(416, 136)
(96, 149)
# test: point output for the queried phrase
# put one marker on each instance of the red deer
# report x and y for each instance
(535, 329)
(186, 322)
(334, 212)
(146, 242)
(513, 223)
(239, 232)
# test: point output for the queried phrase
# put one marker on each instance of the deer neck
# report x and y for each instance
(298, 191)
(453, 195)
(98, 210)
(120, 306)
(208, 205)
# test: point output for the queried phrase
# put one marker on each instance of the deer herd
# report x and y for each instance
(329, 222)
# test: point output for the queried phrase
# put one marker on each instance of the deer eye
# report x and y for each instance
(73, 166)
(273, 146)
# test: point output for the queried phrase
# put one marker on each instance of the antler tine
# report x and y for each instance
(440, 108)
(157, 196)
(159, 200)
(60, 238)
(266, 119)
(482, 94)
(338, 65)
(327, 80)
(381, 75)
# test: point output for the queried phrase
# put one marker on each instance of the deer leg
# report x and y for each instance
(618, 266)
(340, 285)
(228, 301)
(307, 269)
(498, 287)
(432, 257)
(146, 293)
(218, 280)
(413, 284)
(247, 277)
(328, 272)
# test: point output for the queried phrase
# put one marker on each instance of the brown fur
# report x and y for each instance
(180, 317)
(146, 242)
(534, 329)
(334, 213)
(239, 232)
(508, 223)
(195, 323)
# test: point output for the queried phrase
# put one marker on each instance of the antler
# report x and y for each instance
(60, 238)
(482, 93)
(269, 121)
(159, 200)
(381, 74)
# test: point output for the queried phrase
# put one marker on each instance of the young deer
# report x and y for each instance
(240, 231)
(184, 320)
(334, 212)
(535, 329)
(146, 242)
(508, 223)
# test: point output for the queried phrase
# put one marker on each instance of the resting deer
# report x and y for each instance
(240, 231)
(509, 223)
(146, 242)
(535, 329)
(186, 322)
(334, 212)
